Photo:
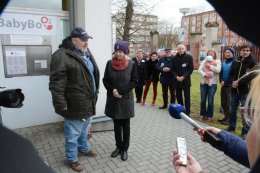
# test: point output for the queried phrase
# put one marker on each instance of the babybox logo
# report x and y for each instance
(13, 23)
(46, 22)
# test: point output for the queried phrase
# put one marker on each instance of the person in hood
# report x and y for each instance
(74, 84)
(225, 92)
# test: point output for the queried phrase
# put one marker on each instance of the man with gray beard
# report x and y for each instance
(74, 84)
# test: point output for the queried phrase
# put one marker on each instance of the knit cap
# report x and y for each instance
(232, 51)
(122, 45)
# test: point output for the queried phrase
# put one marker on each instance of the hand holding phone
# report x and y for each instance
(182, 150)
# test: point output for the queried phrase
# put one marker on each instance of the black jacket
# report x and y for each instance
(165, 77)
(182, 65)
(238, 69)
(140, 69)
(124, 81)
(151, 73)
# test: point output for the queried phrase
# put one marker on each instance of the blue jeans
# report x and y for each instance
(76, 138)
(207, 91)
(236, 98)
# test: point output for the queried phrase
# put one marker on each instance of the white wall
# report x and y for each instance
(38, 107)
(98, 24)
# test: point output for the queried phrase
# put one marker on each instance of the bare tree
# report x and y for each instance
(123, 13)
(129, 11)
(168, 33)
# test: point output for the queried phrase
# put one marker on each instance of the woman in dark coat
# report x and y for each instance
(119, 79)
(140, 61)
(151, 76)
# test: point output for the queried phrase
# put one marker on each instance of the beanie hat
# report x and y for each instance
(140, 50)
(232, 51)
(122, 45)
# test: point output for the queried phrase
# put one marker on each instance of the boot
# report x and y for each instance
(124, 155)
(76, 166)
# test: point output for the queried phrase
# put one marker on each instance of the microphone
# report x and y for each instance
(177, 111)
(11, 98)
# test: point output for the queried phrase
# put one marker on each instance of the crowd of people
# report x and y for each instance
(235, 76)
(123, 75)
(74, 84)
(173, 72)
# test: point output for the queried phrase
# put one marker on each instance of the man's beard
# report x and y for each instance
(83, 49)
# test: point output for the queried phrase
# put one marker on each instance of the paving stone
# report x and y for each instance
(153, 138)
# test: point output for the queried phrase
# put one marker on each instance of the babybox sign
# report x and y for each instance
(14, 23)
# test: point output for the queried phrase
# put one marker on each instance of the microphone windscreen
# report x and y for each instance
(175, 110)
(11, 98)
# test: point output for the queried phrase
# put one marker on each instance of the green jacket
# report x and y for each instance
(71, 84)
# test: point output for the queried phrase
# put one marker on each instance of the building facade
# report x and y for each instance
(195, 23)
(140, 30)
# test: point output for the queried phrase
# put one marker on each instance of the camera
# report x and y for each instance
(11, 98)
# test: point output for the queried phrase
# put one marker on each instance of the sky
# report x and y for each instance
(169, 9)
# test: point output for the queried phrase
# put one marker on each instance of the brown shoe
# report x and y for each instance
(90, 153)
(76, 166)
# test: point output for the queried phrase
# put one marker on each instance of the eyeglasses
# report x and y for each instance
(245, 50)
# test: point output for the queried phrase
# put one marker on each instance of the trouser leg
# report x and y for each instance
(118, 133)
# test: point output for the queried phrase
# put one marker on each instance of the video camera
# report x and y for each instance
(11, 98)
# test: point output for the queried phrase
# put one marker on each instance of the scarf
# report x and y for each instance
(83, 55)
(120, 64)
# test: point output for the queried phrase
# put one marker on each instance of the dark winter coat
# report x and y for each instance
(71, 83)
(238, 69)
(182, 65)
(151, 73)
(124, 81)
(165, 77)
(140, 69)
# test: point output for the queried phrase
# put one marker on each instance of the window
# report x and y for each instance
(57, 5)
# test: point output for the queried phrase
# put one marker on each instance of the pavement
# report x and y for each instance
(153, 137)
